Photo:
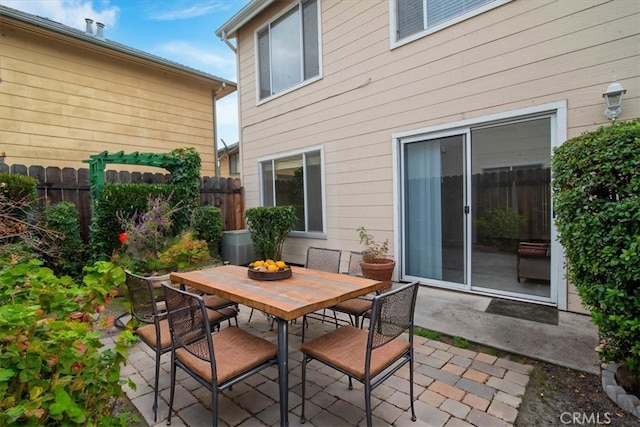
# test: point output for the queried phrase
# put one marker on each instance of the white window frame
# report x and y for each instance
(453, 21)
(558, 113)
(304, 82)
(301, 152)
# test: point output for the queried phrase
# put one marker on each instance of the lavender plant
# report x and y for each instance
(146, 234)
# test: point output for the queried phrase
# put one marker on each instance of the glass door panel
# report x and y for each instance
(434, 227)
(511, 199)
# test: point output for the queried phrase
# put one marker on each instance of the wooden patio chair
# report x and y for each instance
(370, 356)
(217, 361)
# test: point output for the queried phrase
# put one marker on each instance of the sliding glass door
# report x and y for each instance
(476, 209)
(434, 209)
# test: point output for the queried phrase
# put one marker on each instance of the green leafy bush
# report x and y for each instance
(65, 241)
(269, 227)
(53, 370)
(208, 226)
(18, 187)
(501, 227)
(149, 246)
(596, 198)
(127, 199)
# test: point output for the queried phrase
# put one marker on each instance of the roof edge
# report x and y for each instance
(237, 21)
(62, 29)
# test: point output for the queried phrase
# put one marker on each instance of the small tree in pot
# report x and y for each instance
(269, 227)
(375, 264)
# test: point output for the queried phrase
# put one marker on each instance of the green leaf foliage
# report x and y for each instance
(596, 187)
(54, 369)
(207, 223)
(128, 199)
(63, 219)
(18, 187)
(269, 227)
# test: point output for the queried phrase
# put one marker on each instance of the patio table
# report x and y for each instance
(303, 293)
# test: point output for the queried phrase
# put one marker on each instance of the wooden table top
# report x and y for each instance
(305, 292)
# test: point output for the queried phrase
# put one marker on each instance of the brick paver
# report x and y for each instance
(453, 387)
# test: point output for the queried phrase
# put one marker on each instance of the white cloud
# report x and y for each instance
(206, 59)
(189, 12)
(68, 12)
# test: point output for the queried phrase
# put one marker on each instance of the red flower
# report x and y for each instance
(76, 367)
(123, 238)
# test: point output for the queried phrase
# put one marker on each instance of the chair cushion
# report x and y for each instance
(215, 302)
(147, 334)
(218, 315)
(345, 348)
(355, 306)
(236, 351)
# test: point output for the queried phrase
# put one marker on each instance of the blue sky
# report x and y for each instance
(179, 30)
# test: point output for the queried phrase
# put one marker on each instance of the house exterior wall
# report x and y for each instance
(518, 55)
(62, 100)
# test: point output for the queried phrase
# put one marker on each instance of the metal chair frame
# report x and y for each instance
(317, 260)
(196, 338)
(387, 323)
(144, 308)
(362, 304)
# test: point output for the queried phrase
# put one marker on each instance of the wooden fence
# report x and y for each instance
(72, 185)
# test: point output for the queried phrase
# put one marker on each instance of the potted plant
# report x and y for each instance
(269, 226)
(375, 264)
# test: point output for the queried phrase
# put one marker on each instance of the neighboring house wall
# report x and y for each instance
(522, 54)
(230, 161)
(64, 98)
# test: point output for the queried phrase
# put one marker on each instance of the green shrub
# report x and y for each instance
(269, 227)
(186, 253)
(501, 227)
(18, 187)
(596, 198)
(127, 199)
(17, 253)
(208, 226)
(53, 370)
(18, 208)
(66, 246)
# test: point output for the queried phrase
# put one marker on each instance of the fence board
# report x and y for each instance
(68, 184)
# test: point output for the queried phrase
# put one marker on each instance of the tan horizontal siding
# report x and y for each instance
(61, 102)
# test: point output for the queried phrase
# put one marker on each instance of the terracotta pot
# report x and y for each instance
(381, 270)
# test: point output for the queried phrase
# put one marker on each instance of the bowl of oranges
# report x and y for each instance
(269, 270)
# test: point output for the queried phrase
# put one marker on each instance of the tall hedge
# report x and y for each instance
(596, 184)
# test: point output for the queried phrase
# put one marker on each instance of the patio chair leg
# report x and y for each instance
(173, 386)
(367, 401)
(155, 389)
(303, 419)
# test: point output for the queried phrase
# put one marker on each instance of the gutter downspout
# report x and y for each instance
(214, 98)
(227, 42)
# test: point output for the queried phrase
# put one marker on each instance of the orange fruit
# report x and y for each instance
(272, 267)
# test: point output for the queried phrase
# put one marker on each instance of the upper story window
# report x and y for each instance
(289, 50)
(296, 180)
(415, 18)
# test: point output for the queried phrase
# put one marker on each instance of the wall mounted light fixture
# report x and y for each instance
(613, 98)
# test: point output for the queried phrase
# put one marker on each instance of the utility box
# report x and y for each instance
(237, 247)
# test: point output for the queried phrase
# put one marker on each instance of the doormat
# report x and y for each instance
(523, 310)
